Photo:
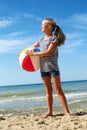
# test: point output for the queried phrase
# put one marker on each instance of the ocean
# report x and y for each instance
(31, 98)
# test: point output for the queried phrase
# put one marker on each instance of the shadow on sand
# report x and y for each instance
(81, 113)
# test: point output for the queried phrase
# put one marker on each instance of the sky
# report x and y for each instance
(20, 27)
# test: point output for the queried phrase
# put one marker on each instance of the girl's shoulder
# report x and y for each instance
(54, 38)
(41, 39)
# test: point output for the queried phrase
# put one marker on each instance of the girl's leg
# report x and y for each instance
(59, 91)
(47, 83)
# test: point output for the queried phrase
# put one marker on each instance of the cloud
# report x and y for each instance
(73, 35)
(16, 40)
(71, 45)
(74, 41)
(18, 18)
(14, 43)
(13, 35)
(29, 16)
(76, 29)
(78, 21)
(5, 23)
(80, 18)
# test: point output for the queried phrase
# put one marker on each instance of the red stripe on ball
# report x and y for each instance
(27, 64)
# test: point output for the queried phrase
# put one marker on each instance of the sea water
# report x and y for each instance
(31, 98)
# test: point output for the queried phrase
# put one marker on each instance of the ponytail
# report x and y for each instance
(61, 36)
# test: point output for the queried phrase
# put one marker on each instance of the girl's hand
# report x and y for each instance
(31, 53)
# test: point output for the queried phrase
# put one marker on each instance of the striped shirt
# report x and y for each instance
(48, 63)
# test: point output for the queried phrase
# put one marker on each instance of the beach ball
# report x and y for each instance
(27, 62)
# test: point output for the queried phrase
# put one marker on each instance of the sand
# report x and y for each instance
(37, 122)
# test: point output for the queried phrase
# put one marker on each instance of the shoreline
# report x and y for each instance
(37, 122)
(40, 110)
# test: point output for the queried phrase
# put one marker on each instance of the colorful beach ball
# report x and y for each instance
(29, 63)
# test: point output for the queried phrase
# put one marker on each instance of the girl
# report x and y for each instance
(53, 38)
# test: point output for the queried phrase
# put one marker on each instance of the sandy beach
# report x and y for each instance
(36, 122)
(21, 108)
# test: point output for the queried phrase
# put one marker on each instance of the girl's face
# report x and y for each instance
(47, 27)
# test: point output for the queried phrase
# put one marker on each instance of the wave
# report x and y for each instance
(21, 94)
(34, 97)
(78, 101)
(21, 98)
(76, 95)
(40, 92)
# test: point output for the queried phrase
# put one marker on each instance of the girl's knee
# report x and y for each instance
(59, 91)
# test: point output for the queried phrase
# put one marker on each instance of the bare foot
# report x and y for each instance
(47, 115)
(69, 114)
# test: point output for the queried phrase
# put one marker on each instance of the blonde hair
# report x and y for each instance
(57, 31)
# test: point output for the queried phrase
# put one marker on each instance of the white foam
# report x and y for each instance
(76, 95)
(42, 98)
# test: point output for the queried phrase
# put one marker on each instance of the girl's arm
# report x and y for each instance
(47, 52)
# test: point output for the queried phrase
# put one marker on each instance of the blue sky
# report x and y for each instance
(20, 27)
